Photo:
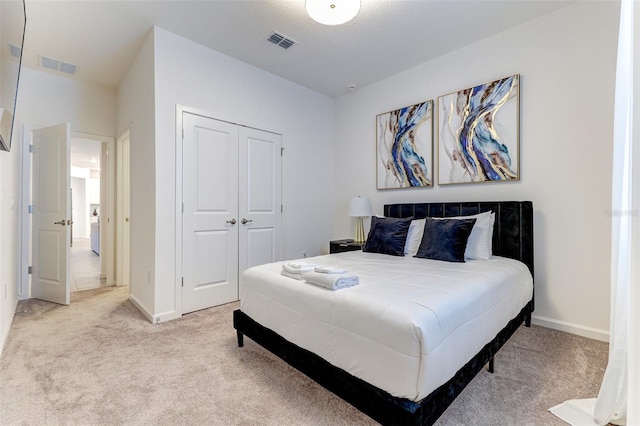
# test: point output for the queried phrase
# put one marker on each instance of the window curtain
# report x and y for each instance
(618, 400)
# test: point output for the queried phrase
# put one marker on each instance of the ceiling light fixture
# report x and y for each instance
(332, 12)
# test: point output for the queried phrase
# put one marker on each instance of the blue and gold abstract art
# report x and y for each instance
(478, 129)
(405, 147)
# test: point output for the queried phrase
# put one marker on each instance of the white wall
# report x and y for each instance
(8, 238)
(566, 61)
(8, 211)
(191, 75)
(136, 112)
(80, 203)
(47, 99)
(85, 190)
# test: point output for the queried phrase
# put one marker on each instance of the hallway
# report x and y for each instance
(85, 266)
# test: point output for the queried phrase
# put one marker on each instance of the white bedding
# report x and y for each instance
(409, 325)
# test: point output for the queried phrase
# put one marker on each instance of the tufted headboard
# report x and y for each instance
(512, 232)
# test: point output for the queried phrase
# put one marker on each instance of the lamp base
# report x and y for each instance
(359, 238)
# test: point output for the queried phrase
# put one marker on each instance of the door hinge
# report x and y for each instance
(281, 151)
(182, 207)
(182, 281)
(30, 208)
(31, 148)
(30, 270)
(281, 208)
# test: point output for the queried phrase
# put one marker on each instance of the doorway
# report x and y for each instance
(86, 268)
(98, 178)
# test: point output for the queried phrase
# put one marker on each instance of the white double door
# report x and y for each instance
(232, 207)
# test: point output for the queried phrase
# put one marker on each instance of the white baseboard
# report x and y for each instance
(154, 319)
(579, 330)
(166, 316)
(7, 327)
(141, 308)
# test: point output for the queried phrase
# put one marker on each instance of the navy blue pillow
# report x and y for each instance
(387, 235)
(445, 239)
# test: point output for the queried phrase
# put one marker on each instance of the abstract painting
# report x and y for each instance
(479, 133)
(405, 147)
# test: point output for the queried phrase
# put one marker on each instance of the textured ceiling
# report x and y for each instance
(103, 37)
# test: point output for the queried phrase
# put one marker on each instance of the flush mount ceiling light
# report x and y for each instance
(332, 12)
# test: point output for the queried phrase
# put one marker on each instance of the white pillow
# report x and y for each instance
(414, 237)
(479, 245)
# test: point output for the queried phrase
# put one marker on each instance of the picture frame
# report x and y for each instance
(479, 133)
(404, 145)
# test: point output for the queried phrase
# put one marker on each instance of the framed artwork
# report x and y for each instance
(404, 142)
(479, 132)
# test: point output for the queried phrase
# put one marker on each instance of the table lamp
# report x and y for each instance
(359, 207)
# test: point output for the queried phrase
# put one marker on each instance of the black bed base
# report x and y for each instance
(375, 402)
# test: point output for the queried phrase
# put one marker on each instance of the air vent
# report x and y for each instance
(56, 65)
(281, 40)
(67, 68)
(15, 50)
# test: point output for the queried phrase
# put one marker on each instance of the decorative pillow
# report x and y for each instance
(414, 237)
(387, 235)
(480, 244)
(445, 239)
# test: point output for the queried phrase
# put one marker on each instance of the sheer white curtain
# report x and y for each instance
(618, 401)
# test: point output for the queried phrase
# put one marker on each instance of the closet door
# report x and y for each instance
(210, 217)
(260, 198)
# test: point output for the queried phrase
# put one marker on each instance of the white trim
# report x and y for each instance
(141, 308)
(7, 328)
(154, 319)
(24, 217)
(577, 329)
(178, 203)
(118, 213)
(229, 119)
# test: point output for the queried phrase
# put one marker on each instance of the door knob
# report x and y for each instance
(60, 222)
(232, 221)
(245, 221)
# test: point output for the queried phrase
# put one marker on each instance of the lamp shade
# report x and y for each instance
(360, 207)
(332, 12)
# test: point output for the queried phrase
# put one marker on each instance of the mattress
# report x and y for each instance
(409, 325)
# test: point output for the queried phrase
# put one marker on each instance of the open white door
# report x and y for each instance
(51, 214)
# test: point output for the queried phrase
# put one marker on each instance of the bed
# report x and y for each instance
(397, 368)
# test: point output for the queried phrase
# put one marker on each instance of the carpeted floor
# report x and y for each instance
(100, 362)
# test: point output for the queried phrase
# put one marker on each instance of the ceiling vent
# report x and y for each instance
(56, 65)
(281, 40)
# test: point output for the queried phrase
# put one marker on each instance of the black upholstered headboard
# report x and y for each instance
(512, 232)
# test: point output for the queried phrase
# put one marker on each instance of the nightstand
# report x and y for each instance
(339, 246)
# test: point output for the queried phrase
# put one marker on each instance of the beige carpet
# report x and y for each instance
(100, 362)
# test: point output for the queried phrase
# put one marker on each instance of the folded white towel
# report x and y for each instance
(291, 275)
(331, 281)
(297, 270)
(301, 265)
(329, 270)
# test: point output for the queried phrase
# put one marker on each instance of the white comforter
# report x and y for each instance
(409, 325)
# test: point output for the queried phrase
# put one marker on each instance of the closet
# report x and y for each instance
(231, 207)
